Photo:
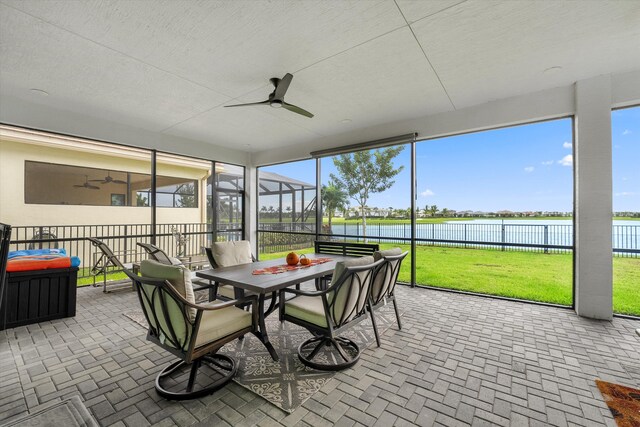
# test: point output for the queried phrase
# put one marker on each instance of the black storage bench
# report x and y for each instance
(38, 295)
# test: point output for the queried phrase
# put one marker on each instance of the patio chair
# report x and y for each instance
(384, 282)
(342, 248)
(107, 263)
(5, 238)
(194, 333)
(328, 313)
(161, 256)
(158, 254)
(227, 254)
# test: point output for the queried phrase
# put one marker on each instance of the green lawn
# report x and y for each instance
(523, 275)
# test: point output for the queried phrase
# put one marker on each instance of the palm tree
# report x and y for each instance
(333, 198)
(434, 210)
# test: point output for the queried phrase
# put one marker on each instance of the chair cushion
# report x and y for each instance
(348, 298)
(179, 277)
(228, 292)
(382, 281)
(227, 254)
(216, 324)
(309, 309)
(353, 262)
(377, 255)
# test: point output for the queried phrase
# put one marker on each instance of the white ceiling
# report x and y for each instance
(170, 66)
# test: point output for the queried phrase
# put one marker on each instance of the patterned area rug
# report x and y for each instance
(287, 383)
(624, 403)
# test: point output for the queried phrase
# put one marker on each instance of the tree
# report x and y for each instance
(364, 173)
(434, 210)
(141, 200)
(444, 212)
(333, 198)
(186, 196)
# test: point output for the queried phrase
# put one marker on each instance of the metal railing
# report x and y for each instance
(175, 239)
(279, 237)
(546, 238)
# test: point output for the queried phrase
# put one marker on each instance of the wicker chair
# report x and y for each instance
(194, 333)
(327, 313)
(384, 282)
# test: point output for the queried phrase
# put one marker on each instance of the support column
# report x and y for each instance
(593, 264)
(251, 207)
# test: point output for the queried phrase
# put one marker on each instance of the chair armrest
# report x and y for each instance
(305, 293)
(252, 299)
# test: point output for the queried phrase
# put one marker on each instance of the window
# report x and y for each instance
(286, 208)
(625, 125)
(228, 188)
(56, 184)
(495, 212)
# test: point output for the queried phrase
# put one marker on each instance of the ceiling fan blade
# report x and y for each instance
(296, 109)
(119, 181)
(96, 180)
(250, 103)
(92, 187)
(282, 87)
(79, 186)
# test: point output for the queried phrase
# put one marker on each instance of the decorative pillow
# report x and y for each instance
(227, 254)
(377, 255)
(179, 277)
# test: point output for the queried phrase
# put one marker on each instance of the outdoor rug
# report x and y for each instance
(287, 383)
(624, 403)
(69, 413)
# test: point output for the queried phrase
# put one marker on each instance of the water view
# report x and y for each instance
(552, 234)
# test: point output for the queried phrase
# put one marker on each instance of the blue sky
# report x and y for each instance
(520, 168)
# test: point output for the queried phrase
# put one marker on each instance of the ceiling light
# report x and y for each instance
(276, 103)
(553, 70)
(40, 92)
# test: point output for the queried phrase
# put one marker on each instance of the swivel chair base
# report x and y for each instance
(343, 346)
(223, 365)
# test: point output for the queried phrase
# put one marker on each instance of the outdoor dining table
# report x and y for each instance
(242, 277)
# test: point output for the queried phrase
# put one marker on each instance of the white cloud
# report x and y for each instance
(566, 160)
(427, 193)
(529, 169)
(567, 144)
(626, 132)
(547, 163)
(626, 193)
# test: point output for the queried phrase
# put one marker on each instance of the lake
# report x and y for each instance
(549, 233)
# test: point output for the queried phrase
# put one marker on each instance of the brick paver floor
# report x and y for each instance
(459, 360)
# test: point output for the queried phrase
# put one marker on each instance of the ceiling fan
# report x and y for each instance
(107, 179)
(276, 98)
(86, 184)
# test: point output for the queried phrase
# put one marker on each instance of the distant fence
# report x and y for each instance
(546, 238)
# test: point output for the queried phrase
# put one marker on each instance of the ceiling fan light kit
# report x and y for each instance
(276, 98)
